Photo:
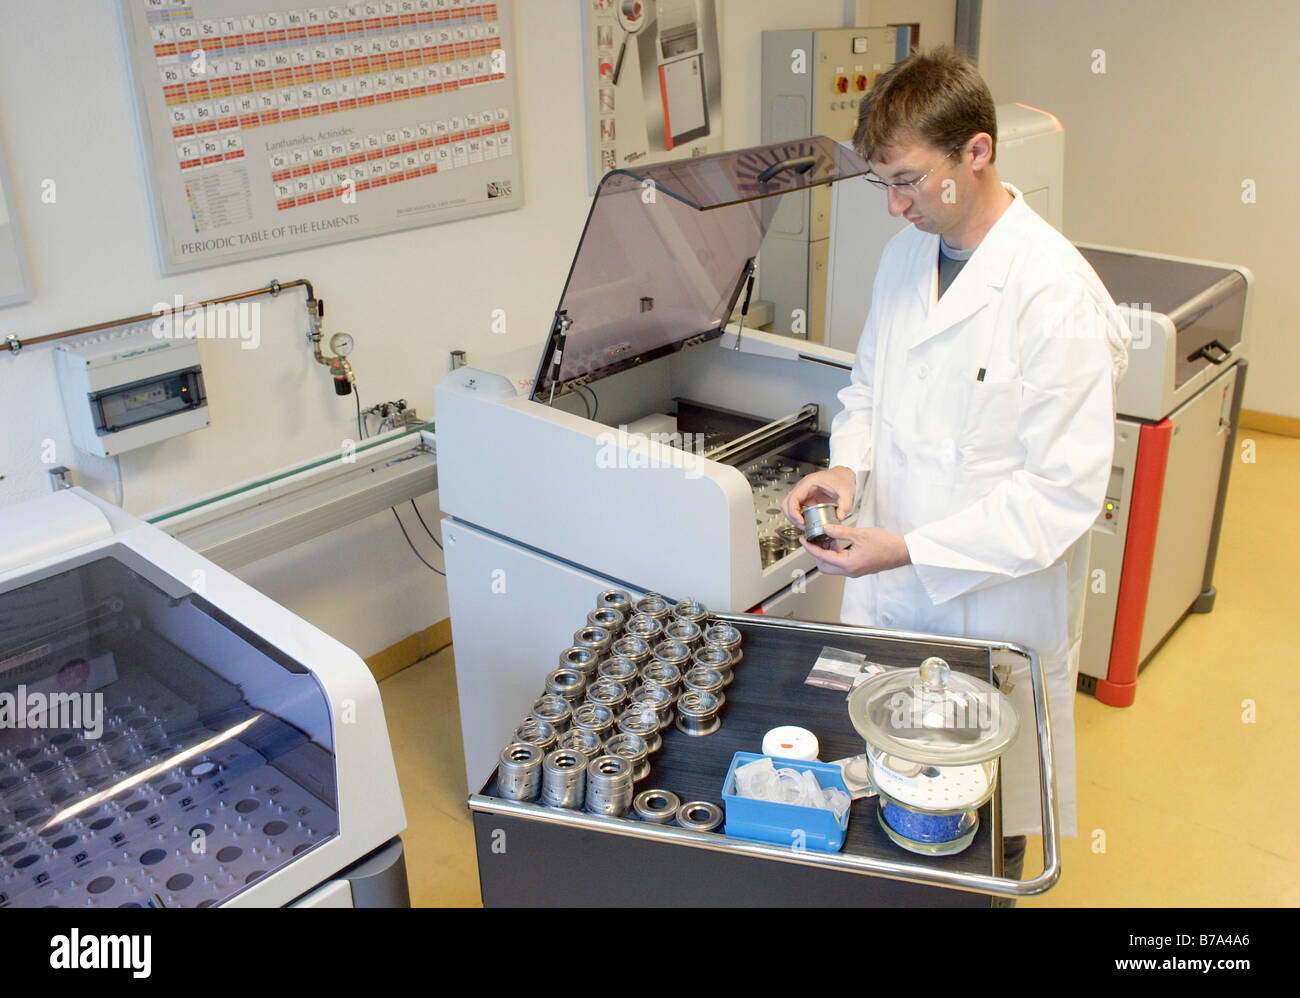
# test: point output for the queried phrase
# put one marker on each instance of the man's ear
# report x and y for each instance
(980, 149)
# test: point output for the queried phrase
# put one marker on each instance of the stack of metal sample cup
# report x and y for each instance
(519, 775)
(564, 779)
(609, 786)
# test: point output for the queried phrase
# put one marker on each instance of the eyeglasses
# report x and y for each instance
(911, 186)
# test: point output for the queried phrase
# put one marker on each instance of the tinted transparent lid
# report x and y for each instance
(933, 715)
(152, 749)
(666, 252)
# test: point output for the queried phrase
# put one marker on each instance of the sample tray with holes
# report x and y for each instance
(529, 854)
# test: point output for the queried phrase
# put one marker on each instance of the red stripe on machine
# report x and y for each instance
(1120, 685)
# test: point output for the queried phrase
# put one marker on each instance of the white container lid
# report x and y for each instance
(790, 742)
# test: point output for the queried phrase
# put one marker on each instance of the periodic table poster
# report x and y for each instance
(268, 128)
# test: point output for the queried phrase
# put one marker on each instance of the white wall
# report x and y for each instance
(1197, 96)
(66, 115)
(937, 18)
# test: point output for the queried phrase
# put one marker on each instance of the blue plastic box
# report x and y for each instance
(785, 824)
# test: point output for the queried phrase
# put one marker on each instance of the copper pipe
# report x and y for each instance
(14, 343)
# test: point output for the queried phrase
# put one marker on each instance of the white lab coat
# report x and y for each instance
(993, 483)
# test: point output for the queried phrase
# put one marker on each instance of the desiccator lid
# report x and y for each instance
(933, 715)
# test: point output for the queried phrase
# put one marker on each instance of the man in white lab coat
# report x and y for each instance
(979, 418)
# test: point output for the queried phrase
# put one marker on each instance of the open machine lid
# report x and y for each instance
(667, 251)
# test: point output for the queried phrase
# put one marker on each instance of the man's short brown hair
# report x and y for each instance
(935, 96)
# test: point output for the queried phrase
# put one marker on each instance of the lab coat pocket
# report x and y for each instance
(990, 441)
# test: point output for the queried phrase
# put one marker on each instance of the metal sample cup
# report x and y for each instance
(715, 657)
(519, 771)
(609, 786)
(685, 632)
(607, 693)
(642, 626)
(621, 670)
(633, 647)
(664, 674)
(564, 779)
(771, 549)
(643, 720)
(596, 638)
(705, 680)
(724, 636)
(608, 619)
(697, 713)
(634, 749)
(594, 718)
(655, 606)
(582, 740)
(660, 699)
(582, 658)
(815, 519)
(692, 610)
(537, 732)
(658, 806)
(555, 710)
(569, 682)
(673, 653)
(615, 599)
(700, 815)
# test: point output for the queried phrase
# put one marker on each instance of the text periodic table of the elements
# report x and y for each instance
(271, 130)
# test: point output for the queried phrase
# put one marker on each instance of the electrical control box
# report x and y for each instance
(128, 388)
(812, 83)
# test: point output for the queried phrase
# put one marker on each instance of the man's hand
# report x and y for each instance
(833, 485)
(871, 549)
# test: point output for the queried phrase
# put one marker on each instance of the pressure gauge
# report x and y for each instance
(341, 344)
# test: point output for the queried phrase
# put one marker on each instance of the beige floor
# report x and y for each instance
(1182, 799)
